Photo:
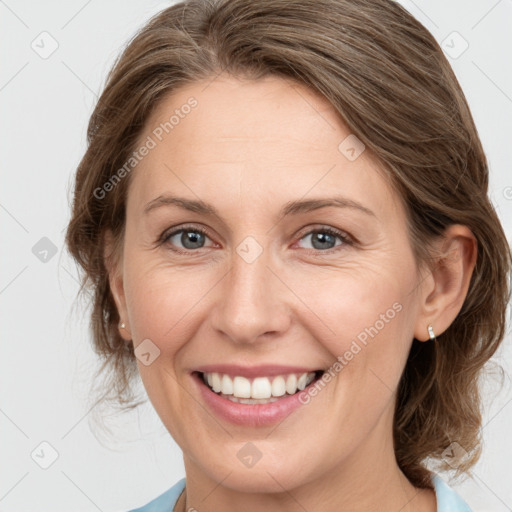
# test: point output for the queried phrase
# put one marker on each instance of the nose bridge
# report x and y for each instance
(252, 301)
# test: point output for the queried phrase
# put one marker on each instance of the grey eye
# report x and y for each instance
(188, 238)
(322, 239)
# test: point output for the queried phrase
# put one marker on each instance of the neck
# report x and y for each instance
(368, 481)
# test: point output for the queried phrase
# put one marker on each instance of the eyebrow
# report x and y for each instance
(290, 208)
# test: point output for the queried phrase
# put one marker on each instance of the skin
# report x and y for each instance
(248, 148)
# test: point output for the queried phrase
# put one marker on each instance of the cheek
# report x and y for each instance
(363, 319)
(353, 305)
(161, 300)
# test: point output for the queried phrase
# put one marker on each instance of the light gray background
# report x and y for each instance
(46, 362)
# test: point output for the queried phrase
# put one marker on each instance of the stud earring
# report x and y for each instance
(431, 334)
(121, 325)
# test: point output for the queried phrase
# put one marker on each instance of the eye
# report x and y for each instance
(324, 239)
(190, 238)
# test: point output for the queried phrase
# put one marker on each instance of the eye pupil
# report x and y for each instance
(323, 238)
(192, 237)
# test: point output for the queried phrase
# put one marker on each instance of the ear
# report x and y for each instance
(113, 260)
(444, 290)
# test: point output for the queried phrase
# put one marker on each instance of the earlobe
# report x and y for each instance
(112, 258)
(455, 261)
(124, 332)
(429, 334)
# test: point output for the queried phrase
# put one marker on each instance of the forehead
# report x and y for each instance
(265, 140)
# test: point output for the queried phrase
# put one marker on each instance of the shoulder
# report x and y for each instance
(165, 502)
(447, 499)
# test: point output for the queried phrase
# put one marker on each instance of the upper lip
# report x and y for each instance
(254, 371)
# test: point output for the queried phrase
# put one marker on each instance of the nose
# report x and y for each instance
(252, 302)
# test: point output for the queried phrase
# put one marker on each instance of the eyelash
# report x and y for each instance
(344, 237)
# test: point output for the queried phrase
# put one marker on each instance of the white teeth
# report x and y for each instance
(262, 389)
(226, 385)
(301, 383)
(241, 387)
(278, 386)
(291, 384)
(216, 384)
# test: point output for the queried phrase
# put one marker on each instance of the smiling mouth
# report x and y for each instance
(259, 390)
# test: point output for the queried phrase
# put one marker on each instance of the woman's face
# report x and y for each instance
(279, 285)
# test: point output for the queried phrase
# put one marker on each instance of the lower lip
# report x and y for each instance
(254, 415)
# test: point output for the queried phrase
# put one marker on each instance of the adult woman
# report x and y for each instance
(294, 377)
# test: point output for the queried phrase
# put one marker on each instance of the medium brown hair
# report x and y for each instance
(389, 80)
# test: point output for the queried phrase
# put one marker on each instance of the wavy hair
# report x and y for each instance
(391, 84)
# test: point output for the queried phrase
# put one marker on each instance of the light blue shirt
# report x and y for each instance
(447, 499)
